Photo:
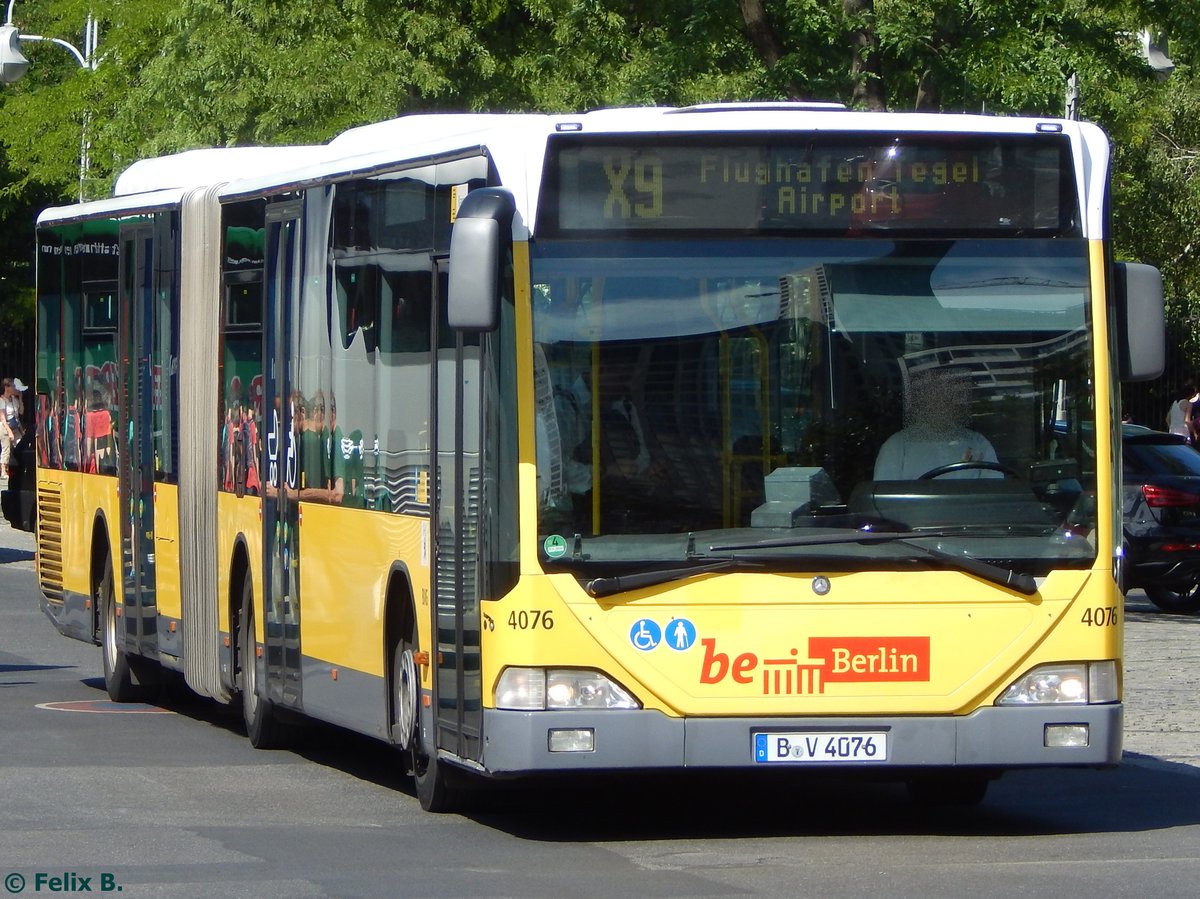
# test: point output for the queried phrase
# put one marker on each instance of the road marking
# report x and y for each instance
(105, 707)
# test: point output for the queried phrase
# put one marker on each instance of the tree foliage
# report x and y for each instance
(177, 74)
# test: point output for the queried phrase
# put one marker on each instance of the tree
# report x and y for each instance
(177, 74)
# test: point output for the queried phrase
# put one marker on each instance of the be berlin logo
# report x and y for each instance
(66, 882)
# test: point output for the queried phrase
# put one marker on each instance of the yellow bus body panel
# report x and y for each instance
(239, 520)
(346, 557)
(85, 498)
(166, 550)
(932, 642)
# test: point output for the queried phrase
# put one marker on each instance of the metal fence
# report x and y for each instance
(1146, 402)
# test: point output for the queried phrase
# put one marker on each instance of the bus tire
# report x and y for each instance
(118, 675)
(438, 785)
(263, 726)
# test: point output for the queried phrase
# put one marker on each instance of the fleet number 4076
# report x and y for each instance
(536, 619)
(1100, 616)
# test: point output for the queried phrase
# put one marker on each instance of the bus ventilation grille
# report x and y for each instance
(50, 540)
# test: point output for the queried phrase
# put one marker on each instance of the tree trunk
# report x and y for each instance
(766, 42)
(866, 62)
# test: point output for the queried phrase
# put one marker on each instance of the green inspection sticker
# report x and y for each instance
(555, 547)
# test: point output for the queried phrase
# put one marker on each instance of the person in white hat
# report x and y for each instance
(12, 406)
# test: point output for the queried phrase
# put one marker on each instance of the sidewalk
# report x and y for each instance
(16, 547)
(1162, 679)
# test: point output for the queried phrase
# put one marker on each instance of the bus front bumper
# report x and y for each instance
(994, 737)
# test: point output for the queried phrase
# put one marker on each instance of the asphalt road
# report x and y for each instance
(174, 802)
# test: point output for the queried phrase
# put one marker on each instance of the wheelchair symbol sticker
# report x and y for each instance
(681, 634)
(645, 634)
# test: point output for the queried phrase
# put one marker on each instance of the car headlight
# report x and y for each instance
(536, 689)
(1073, 683)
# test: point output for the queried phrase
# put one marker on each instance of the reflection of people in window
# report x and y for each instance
(240, 451)
(73, 435)
(229, 448)
(937, 409)
(250, 432)
(318, 474)
(47, 431)
(312, 441)
(98, 433)
(345, 462)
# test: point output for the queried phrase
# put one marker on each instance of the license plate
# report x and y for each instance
(811, 748)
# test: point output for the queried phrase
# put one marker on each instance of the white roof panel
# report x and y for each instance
(197, 168)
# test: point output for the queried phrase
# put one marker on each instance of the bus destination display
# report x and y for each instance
(1002, 185)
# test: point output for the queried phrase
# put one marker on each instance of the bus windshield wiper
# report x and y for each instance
(997, 574)
(608, 586)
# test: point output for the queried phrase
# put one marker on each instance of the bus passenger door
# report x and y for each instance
(281, 446)
(455, 495)
(134, 436)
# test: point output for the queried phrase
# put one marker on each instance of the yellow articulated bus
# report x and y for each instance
(764, 436)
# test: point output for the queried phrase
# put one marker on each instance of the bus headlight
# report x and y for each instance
(536, 689)
(1076, 683)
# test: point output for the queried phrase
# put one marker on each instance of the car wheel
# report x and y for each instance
(1175, 602)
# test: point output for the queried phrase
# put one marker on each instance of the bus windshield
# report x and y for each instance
(752, 398)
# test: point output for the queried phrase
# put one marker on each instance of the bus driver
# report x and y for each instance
(937, 408)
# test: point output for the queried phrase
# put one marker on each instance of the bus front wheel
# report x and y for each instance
(436, 782)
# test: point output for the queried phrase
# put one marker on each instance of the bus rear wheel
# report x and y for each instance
(263, 726)
(118, 676)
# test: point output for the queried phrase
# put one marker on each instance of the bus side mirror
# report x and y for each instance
(1141, 337)
(482, 231)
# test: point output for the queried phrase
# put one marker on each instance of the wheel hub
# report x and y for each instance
(406, 699)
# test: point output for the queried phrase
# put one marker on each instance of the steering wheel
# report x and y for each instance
(967, 466)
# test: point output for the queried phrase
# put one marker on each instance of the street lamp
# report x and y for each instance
(13, 62)
(14, 65)
(1153, 53)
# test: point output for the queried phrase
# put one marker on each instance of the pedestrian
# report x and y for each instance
(1179, 416)
(12, 407)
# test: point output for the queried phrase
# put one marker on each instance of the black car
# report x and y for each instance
(1161, 504)
(19, 501)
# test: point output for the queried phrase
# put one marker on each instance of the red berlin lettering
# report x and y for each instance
(716, 665)
(872, 658)
(831, 660)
